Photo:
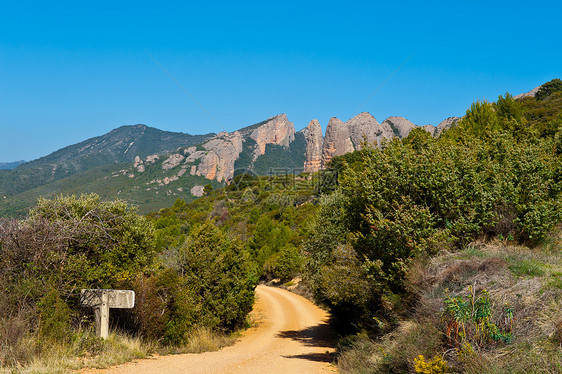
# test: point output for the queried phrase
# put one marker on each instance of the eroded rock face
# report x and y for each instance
(446, 125)
(337, 141)
(430, 129)
(197, 190)
(223, 151)
(531, 93)
(172, 161)
(365, 129)
(314, 140)
(400, 126)
(152, 159)
(138, 164)
(275, 130)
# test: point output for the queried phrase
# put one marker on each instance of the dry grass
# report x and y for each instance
(202, 340)
(89, 351)
(85, 350)
(528, 280)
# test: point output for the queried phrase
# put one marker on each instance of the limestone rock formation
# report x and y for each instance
(400, 126)
(172, 161)
(222, 151)
(445, 125)
(365, 128)
(314, 140)
(152, 159)
(531, 93)
(337, 141)
(429, 128)
(197, 190)
(138, 164)
(275, 130)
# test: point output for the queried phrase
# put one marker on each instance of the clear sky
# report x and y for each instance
(73, 70)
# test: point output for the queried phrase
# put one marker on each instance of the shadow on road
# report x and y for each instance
(313, 336)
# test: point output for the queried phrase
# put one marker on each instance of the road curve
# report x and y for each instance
(291, 336)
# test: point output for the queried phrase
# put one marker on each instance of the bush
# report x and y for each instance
(208, 282)
(548, 88)
(419, 196)
(65, 244)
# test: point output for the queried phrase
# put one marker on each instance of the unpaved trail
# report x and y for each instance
(291, 336)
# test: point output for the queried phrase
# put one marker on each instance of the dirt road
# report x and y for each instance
(291, 336)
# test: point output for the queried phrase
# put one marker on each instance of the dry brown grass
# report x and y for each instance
(528, 280)
(30, 355)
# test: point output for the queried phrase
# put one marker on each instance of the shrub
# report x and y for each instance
(469, 322)
(436, 365)
(419, 196)
(548, 88)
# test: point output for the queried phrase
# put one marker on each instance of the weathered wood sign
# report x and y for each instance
(102, 300)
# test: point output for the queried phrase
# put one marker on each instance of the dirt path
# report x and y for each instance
(291, 336)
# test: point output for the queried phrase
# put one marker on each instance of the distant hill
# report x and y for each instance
(152, 168)
(10, 165)
(117, 146)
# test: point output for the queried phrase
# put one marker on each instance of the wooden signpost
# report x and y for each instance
(102, 300)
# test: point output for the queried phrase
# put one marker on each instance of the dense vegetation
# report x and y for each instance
(389, 239)
(71, 243)
(269, 215)
(359, 239)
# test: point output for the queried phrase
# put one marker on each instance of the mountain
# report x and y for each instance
(152, 168)
(121, 145)
(531, 93)
(10, 165)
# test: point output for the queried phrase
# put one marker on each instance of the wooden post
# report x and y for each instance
(101, 300)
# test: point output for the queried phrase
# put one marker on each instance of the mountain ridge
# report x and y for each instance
(147, 166)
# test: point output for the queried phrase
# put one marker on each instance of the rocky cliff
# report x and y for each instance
(273, 145)
(446, 125)
(314, 141)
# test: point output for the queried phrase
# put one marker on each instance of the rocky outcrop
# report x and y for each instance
(152, 159)
(337, 141)
(400, 126)
(313, 152)
(215, 159)
(172, 161)
(138, 164)
(531, 93)
(365, 129)
(197, 190)
(446, 125)
(222, 151)
(275, 130)
(430, 129)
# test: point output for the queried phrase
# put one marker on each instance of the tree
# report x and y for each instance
(548, 88)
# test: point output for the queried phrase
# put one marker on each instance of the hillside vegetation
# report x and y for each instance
(432, 255)
(70, 243)
(389, 247)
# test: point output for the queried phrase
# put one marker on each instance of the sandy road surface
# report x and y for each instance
(291, 336)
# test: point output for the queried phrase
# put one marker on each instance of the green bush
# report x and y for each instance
(208, 281)
(549, 88)
(418, 196)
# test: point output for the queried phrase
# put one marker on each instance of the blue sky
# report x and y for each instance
(73, 70)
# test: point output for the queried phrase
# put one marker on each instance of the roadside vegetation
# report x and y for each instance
(432, 255)
(187, 299)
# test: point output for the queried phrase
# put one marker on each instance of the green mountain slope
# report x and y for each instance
(120, 145)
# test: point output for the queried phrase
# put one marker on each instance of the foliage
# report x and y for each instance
(549, 88)
(108, 239)
(208, 282)
(268, 214)
(435, 365)
(415, 197)
(469, 322)
(64, 245)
